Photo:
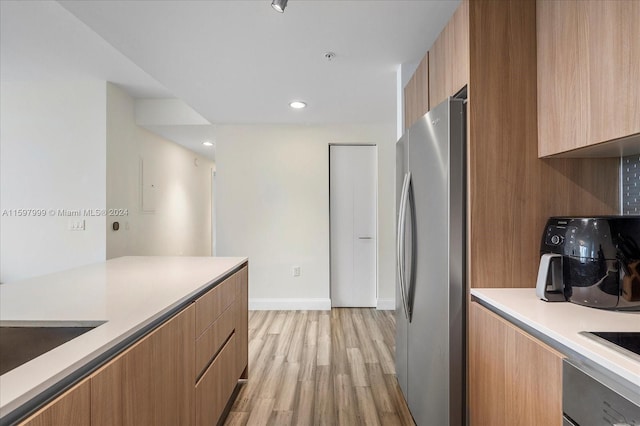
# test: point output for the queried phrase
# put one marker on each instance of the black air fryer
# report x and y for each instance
(591, 261)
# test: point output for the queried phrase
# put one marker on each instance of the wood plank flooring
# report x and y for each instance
(321, 368)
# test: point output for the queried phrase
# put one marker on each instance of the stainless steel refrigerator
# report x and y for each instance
(431, 277)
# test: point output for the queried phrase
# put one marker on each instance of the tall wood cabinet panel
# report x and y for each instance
(511, 191)
(416, 94)
(504, 171)
(449, 66)
(73, 408)
(514, 378)
(588, 62)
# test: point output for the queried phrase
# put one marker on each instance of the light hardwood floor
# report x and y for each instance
(321, 368)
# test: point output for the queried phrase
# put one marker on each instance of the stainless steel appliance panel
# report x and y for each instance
(589, 400)
(433, 236)
(402, 323)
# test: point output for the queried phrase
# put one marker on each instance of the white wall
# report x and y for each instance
(181, 221)
(52, 156)
(273, 206)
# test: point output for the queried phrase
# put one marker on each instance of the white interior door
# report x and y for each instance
(352, 201)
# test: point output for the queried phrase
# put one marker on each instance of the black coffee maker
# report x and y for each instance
(591, 261)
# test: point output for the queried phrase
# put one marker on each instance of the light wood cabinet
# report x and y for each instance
(72, 408)
(588, 62)
(562, 87)
(449, 58)
(513, 377)
(242, 323)
(512, 192)
(182, 373)
(613, 43)
(216, 386)
(491, 47)
(210, 342)
(443, 71)
(416, 94)
(106, 395)
(213, 303)
(222, 349)
(152, 382)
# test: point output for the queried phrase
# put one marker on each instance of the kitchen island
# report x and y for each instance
(127, 300)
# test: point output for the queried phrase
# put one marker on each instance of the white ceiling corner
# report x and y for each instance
(232, 62)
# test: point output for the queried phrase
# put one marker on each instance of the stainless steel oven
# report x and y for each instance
(592, 399)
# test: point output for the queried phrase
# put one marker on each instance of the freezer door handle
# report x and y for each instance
(399, 243)
(400, 240)
(408, 277)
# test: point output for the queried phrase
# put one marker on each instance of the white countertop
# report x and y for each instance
(562, 321)
(128, 293)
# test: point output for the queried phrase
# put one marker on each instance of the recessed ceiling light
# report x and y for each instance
(207, 143)
(297, 104)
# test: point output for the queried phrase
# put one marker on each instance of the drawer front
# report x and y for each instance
(210, 342)
(216, 386)
(210, 306)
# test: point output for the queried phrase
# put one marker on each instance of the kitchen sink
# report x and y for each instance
(19, 345)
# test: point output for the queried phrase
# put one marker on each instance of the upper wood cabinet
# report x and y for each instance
(513, 378)
(443, 71)
(490, 46)
(416, 94)
(588, 67)
(449, 58)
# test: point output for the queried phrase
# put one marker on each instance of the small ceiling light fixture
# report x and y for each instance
(279, 5)
(207, 143)
(297, 104)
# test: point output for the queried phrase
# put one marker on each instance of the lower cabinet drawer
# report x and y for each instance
(216, 385)
(211, 305)
(209, 343)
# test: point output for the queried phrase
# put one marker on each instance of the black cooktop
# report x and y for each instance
(628, 340)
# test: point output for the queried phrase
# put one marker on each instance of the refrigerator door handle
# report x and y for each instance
(402, 219)
(400, 244)
(408, 276)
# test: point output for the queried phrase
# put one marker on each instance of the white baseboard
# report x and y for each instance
(290, 304)
(386, 304)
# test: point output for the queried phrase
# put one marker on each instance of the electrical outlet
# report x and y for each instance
(295, 271)
(76, 225)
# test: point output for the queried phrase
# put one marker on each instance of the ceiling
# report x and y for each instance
(231, 61)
